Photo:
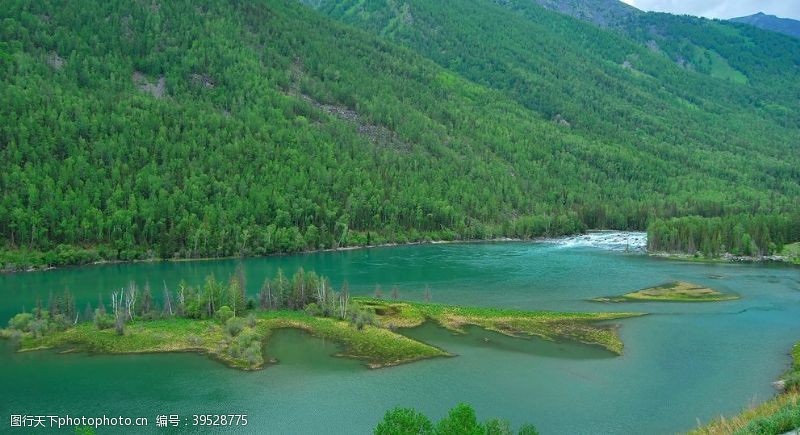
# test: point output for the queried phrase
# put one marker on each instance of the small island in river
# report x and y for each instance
(677, 291)
(206, 320)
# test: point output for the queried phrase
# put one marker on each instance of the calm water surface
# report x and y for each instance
(683, 363)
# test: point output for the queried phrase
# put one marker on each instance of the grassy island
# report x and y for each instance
(217, 320)
(581, 327)
(378, 347)
(678, 291)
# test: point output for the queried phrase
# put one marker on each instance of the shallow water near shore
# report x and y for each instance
(682, 363)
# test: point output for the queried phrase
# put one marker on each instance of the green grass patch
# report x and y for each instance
(677, 291)
(582, 327)
(721, 69)
(377, 346)
(776, 416)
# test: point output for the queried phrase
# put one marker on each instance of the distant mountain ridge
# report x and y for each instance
(604, 13)
(787, 26)
(722, 49)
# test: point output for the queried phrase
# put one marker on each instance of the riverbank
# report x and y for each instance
(15, 261)
(792, 259)
(18, 261)
(240, 344)
(776, 416)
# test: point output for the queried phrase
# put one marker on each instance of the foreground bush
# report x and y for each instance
(461, 420)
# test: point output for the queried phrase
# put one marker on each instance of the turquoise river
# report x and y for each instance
(684, 364)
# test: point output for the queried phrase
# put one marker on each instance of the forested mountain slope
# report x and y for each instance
(622, 88)
(211, 128)
(600, 82)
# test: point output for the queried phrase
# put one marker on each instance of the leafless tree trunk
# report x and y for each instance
(130, 299)
(167, 299)
(321, 293)
(116, 303)
(181, 300)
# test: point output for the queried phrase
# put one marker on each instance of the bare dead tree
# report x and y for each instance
(117, 305)
(322, 293)
(167, 300)
(427, 294)
(130, 299)
(181, 300)
(395, 292)
(116, 302)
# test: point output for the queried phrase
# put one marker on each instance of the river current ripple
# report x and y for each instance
(621, 241)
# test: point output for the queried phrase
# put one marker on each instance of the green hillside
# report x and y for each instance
(213, 128)
(602, 83)
(732, 104)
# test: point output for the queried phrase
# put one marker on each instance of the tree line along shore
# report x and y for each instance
(692, 238)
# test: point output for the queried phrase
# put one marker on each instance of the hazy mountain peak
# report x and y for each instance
(772, 23)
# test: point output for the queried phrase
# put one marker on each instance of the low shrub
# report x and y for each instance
(234, 326)
(103, 320)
